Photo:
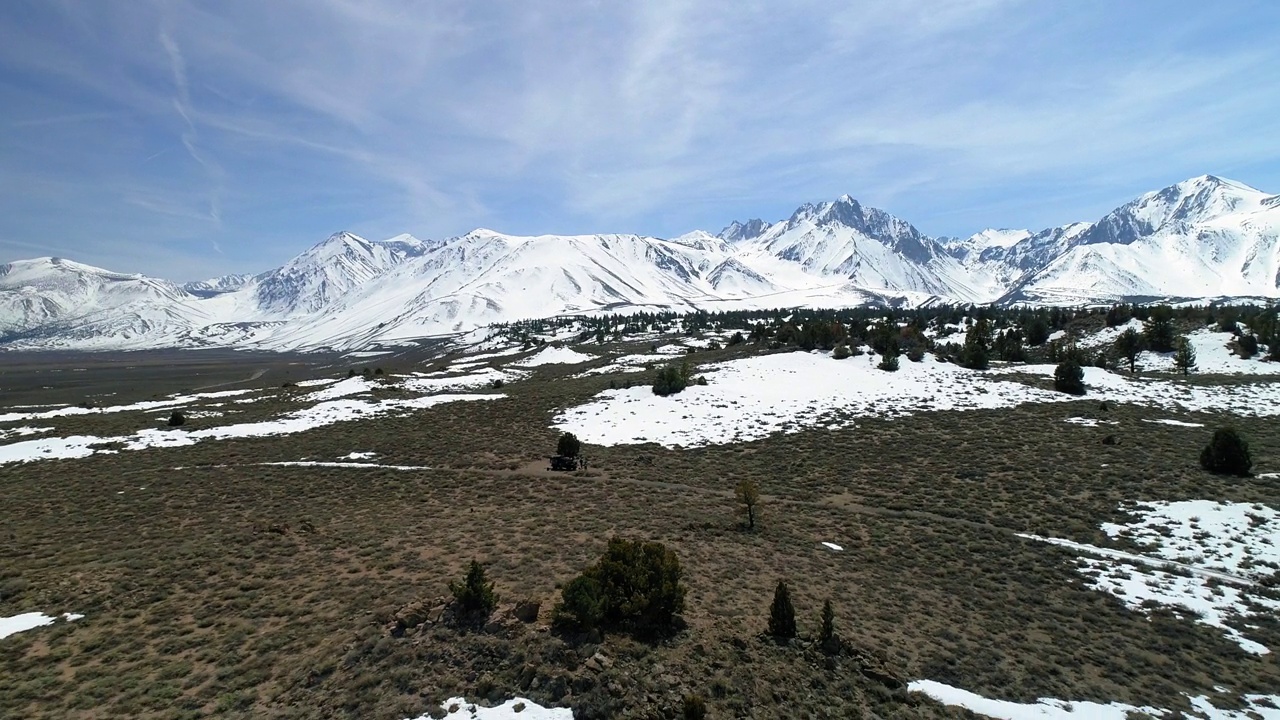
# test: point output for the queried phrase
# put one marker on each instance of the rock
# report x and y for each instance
(526, 611)
(1110, 440)
(436, 614)
(412, 615)
(593, 665)
(493, 627)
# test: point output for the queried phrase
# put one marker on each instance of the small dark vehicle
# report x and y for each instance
(563, 463)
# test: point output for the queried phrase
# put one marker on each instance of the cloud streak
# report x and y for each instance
(298, 118)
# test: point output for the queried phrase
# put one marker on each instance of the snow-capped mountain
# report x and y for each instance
(1205, 237)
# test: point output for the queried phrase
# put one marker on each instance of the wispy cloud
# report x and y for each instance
(296, 118)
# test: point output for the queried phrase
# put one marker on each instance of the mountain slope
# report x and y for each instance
(1205, 237)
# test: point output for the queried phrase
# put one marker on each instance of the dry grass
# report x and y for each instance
(232, 588)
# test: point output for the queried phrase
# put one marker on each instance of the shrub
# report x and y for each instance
(841, 352)
(669, 381)
(1226, 454)
(176, 419)
(635, 586)
(569, 445)
(888, 362)
(695, 708)
(1069, 377)
(736, 339)
(497, 384)
(474, 595)
(782, 614)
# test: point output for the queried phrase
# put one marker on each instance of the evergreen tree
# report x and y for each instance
(827, 635)
(889, 361)
(977, 345)
(1248, 345)
(474, 594)
(1038, 332)
(1128, 346)
(1068, 377)
(1184, 358)
(1226, 454)
(782, 614)
(568, 445)
(1158, 330)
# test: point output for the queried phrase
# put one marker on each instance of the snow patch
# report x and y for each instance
(1043, 709)
(554, 356)
(28, 621)
(514, 709)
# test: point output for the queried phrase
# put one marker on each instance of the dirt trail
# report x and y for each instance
(256, 374)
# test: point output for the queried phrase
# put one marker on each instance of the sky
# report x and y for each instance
(189, 139)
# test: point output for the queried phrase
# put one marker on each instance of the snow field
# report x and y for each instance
(751, 398)
(554, 356)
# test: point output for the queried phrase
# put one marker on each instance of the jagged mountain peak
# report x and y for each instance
(1203, 237)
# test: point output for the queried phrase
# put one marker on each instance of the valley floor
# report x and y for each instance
(984, 551)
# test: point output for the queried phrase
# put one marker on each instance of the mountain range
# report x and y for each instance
(1203, 238)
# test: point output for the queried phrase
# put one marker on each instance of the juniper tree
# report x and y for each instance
(1184, 358)
(1068, 377)
(1226, 454)
(568, 445)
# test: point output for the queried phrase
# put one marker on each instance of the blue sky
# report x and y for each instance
(192, 139)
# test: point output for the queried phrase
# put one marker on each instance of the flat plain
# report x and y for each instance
(262, 575)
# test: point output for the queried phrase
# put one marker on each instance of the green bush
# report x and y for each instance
(474, 595)
(841, 352)
(782, 614)
(1069, 377)
(635, 586)
(1226, 454)
(889, 362)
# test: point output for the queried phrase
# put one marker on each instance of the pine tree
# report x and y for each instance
(1184, 358)
(782, 614)
(827, 635)
(1128, 346)
(1158, 330)
(474, 594)
(1069, 377)
(977, 346)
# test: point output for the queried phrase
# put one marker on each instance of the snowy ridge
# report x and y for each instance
(1202, 238)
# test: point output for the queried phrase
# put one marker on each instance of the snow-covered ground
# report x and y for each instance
(554, 356)
(6, 433)
(751, 398)
(1200, 556)
(28, 621)
(514, 709)
(176, 400)
(1259, 707)
(1213, 356)
(319, 415)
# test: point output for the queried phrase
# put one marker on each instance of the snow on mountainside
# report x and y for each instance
(1205, 237)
